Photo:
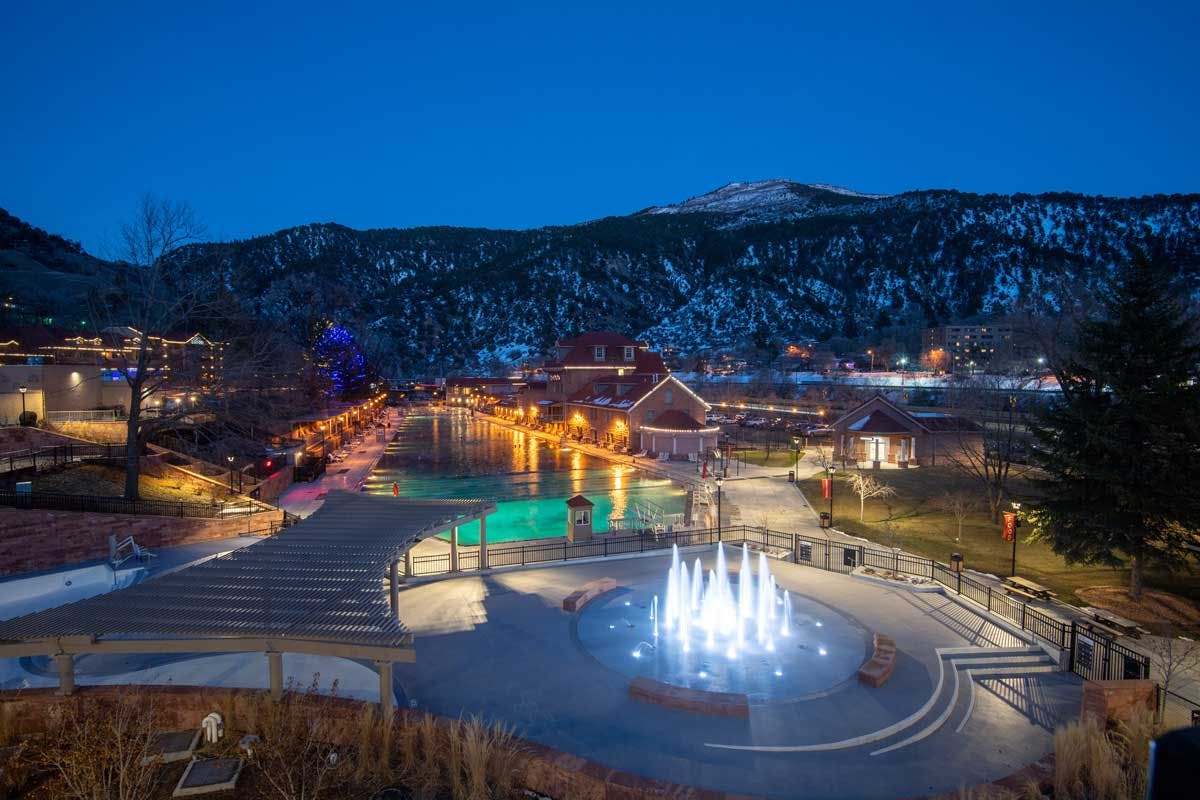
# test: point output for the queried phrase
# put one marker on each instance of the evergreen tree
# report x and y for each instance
(1121, 448)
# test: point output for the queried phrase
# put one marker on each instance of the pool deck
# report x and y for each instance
(500, 645)
(303, 499)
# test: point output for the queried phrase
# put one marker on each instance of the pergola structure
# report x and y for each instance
(317, 587)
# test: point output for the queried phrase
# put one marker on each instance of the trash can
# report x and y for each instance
(791, 476)
(825, 519)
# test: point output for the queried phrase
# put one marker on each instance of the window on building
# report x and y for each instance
(629, 354)
(650, 415)
(583, 516)
(668, 396)
(598, 352)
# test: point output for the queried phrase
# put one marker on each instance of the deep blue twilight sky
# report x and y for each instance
(263, 117)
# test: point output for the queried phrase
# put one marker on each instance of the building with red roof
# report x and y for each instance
(606, 388)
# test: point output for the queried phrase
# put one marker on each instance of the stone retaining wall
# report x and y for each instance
(541, 769)
(35, 539)
(14, 438)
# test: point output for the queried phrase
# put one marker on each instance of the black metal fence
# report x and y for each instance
(1097, 656)
(43, 458)
(53, 501)
(819, 553)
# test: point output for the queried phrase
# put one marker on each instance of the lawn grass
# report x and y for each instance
(776, 458)
(918, 526)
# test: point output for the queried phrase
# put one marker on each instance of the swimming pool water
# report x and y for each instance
(452, 454)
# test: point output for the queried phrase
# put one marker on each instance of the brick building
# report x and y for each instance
(609, 389)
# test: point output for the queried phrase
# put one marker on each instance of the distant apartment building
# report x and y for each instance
(68, 370)
(969, 347)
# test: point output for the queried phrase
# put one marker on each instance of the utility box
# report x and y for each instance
(579, 519)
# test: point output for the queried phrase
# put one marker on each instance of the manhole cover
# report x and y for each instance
(172, 741)
(210, 775)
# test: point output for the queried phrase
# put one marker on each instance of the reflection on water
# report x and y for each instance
(451, 454)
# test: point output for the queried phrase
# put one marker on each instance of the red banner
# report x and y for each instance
(826, 488)
(1010, 525)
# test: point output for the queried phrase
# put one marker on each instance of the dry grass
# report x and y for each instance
(100, 750)
(1092, 763)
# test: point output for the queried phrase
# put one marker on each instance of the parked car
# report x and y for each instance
(755, 422)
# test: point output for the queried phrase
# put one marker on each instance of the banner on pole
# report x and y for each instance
(826, 488)
(1010, 525)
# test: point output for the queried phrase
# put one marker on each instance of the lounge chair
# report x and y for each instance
(664, 456)
(640, 454)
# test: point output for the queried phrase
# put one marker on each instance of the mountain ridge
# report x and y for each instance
(803, 263)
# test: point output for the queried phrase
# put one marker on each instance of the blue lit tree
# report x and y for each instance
(342, 369)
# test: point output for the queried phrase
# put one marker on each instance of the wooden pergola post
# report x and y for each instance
(483, 559)
(387, 705)
(275, 674)
(394, 587)
(65, 663)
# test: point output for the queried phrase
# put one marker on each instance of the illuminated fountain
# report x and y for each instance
(718, 614)
(720, 623)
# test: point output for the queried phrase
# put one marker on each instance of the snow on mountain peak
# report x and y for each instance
(764, 199)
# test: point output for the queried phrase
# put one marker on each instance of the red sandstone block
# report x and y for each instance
(586, 593)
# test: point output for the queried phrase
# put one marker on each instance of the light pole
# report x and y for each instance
(720, 481)
(871, 353)
(1016, 523)
(796, 444)
(832, 469)
(230, 460)
(902, 361)
(22, 389)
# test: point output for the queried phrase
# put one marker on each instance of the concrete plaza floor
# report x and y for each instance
(499, 645)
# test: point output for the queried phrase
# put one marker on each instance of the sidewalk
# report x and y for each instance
(303, 499)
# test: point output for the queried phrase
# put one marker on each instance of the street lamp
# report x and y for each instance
(230, 460)
(720, 481)
(796, 444)
(1016, 523)
(22, 389)
(871, 353)
(832, 469)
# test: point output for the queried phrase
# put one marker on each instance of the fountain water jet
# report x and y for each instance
(729, 616)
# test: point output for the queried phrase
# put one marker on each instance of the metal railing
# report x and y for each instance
(101, 415)
(822, 554)
(43, 458)
(54, 501)
(1097, 656)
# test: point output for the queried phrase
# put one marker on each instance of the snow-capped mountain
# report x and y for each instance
(752, 262)
(758, 201)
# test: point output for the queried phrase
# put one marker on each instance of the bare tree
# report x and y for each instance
(155, 295)
(1172, 657)
(989, 435)
(867, 487)
(959, 504)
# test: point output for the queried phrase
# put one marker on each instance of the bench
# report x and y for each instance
(1020, 592)
(721, 704)
(876, 670)
(588, 592)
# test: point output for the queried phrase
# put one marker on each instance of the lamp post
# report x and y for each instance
(22, 389)
(1016, 523)
(871, 353)
(796, 444)
(720, 481)
(902, 361)
(230, 460)
(832, 469)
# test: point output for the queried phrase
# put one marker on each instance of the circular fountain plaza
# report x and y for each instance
(729, 629)
(968, 701)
